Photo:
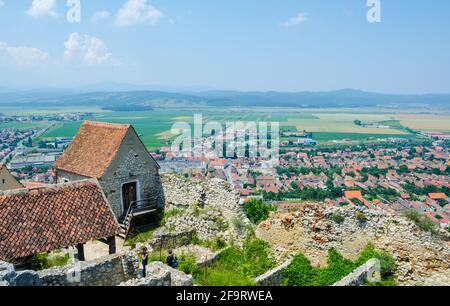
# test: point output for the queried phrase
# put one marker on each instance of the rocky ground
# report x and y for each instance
(421, 257)
(211, 208)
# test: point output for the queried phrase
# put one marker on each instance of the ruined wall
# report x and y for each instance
(274, 276)
(168, 241)
(106, 271)
(210, 208)
(359, 276)
(313, 230)
(110, 270)
(159, 274)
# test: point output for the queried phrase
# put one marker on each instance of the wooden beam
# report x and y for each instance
(112, 245)
(80, 250)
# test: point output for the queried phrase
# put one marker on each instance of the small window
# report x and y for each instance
(3, 181)
(66, 180)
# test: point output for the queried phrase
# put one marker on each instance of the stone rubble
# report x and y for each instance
(313, 230)
(159, 274)
(210, 208)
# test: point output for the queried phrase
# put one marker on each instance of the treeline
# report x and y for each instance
(307, 193)
(128, 108)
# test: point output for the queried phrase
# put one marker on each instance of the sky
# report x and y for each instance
(251, 45)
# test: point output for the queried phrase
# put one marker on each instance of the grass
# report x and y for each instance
(43, 261)
(24, 125)
(236, 267)
(302, 273)
(142, 237)
(214, 245)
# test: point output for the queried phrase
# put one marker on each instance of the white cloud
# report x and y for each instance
(91, 50)
(137, 12)
(299, 18)
(98, 16)
(42, 8)
(2, 3)
(22, 56)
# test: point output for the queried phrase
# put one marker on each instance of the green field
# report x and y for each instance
(329, 136)
(326, 125)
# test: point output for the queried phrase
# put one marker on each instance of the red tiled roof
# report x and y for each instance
(437, 196)
(47, 219)
(355, 194)
(93, 149)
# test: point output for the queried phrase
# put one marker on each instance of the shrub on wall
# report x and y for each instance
(301, 273)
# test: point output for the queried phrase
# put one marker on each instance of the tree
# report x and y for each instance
(257, 210)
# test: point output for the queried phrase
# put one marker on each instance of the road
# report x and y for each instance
(19, 147)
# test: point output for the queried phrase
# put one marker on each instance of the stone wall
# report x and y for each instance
(106, 271)
(159, 274)
(133, 169)
(210, 208)
(112, 270)
(313, 230)
(274, 276)
(359, 276)
(168, 241)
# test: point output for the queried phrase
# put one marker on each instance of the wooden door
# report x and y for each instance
(129, 195)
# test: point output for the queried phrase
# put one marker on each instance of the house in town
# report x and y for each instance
(114, 155)
(42, 220)
(7, 180)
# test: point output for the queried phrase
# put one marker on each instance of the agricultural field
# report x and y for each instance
(425, 122)
(325, 124)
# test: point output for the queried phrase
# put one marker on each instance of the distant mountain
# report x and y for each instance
(151, 98)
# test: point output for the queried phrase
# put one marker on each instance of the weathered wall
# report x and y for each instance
(113, 270)
(159, 274)
(133, 168)
(359, 276)
(210, 208)
(107, 271)
(274, 276)
(312, 231)
(168, 241)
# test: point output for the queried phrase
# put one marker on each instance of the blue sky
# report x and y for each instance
(285, 45)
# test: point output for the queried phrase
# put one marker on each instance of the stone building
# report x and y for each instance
(115, 156)
(7, 180)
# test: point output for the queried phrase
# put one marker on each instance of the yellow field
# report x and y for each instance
(426, 123)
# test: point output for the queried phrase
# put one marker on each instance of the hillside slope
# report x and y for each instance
(420, 257)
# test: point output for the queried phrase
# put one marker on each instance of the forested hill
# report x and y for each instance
(112, 99)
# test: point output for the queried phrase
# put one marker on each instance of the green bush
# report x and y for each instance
(301, 273)
(257, 210)
(360, 216)
(338, 218)
(187, 263)
(238, 223)
(43, 261)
